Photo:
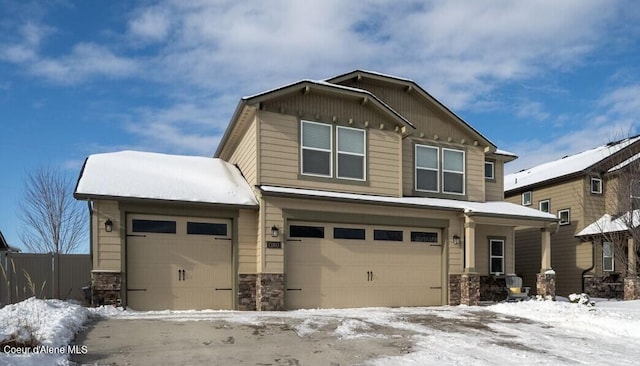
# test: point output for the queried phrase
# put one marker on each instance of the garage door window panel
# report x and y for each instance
(316, 146)
(424, 237)
(206, 228)
(351, 153)
(153, 226)
(303, 231)
(388, 235)
(348, 233)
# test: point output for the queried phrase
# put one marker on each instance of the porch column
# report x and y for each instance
(470, 280)
(546, 279)
(631, 282)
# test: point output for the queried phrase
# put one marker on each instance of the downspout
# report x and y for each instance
(593, 265)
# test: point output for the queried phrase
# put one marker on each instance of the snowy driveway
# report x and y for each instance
(553, 333)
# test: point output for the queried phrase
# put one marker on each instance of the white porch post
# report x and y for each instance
(631, 255)
(469, 245)
(545, 262)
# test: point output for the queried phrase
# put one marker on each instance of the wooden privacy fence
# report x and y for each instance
(45, 276)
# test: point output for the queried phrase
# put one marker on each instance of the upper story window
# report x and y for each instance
(351, 153)
(596, 185)
(453, 171)
(317, 151)
(545, 205)
(564, 216)
(439, 170)
(526, 198)
(489, 170)
(317, 144)
(427, 168)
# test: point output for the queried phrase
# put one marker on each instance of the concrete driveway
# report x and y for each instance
(406, 336)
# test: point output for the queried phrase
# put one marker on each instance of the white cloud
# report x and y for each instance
(150, 25)
(532, 110)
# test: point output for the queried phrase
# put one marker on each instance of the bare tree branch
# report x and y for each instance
(53, 221)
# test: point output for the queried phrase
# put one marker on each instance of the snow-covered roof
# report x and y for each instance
(624, 163)
(135, 174)
(566, 166)
(499, 208)
(505, 153)
(607, 224)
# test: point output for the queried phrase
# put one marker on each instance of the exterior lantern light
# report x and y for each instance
(275, 231)
(108, 226)
(456, 240)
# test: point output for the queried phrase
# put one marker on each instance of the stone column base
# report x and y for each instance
(247, 287)
(270, 292)
(454, 289)
(106, 288)
(546, 285)
(632, 288)
(470, 289)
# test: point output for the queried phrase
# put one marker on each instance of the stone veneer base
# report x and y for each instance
(270, 292)
(546, 285)
(247, 291)
(470, 289)
(106, 288)
(632, 288)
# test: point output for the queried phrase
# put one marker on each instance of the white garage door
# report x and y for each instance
(178, 263)
(340, 266)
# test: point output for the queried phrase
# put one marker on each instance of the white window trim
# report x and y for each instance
(464, 172)
(568, 211)
(491, 256)
(493, 170)
(363, 155)
(593, 179)
(548, 201)
(416, 167)
(612, 257)
(302, 148)
(528, 202)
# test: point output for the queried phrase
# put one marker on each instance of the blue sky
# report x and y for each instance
(542, 79)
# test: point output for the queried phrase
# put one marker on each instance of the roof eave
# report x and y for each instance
(92, 196)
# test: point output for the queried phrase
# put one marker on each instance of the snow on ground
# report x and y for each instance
(530, 332)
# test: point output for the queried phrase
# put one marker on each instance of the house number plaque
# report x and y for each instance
(274, 245)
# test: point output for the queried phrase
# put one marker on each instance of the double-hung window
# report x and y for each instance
(453, 171)
(318, 152)
(427, 168)
(496, 261)
(351, 153)
(317, 145)
(607, 257)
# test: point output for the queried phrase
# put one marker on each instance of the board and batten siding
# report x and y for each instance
(246, 156)
(247, 241)
(280, 159)
(107, 247)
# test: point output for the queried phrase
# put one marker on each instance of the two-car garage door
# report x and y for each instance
(338, 266)
(178, 263)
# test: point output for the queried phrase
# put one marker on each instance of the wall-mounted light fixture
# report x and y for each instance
(275, 232)
(108, 226)
(456, 240)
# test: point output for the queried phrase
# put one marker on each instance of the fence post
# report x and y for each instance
(55, 275)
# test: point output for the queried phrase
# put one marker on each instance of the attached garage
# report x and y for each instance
(331, 265)
(179, 263)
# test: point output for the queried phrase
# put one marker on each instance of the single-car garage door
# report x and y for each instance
(178, 263)
(338, 266)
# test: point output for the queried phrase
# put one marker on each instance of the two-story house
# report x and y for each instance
(360, 190)
(589, 193)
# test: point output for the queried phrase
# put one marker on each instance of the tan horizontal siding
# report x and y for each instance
(245, 155)
(108, 246)
(247, 238)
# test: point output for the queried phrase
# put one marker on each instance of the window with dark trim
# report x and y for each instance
(153, 226)
(303, 231)
(424, 237)
(388, 235)
(348, 233)
(496, 256)
(206, 228)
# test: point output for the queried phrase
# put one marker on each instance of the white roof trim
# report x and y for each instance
(607, 224)
(500, 208)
